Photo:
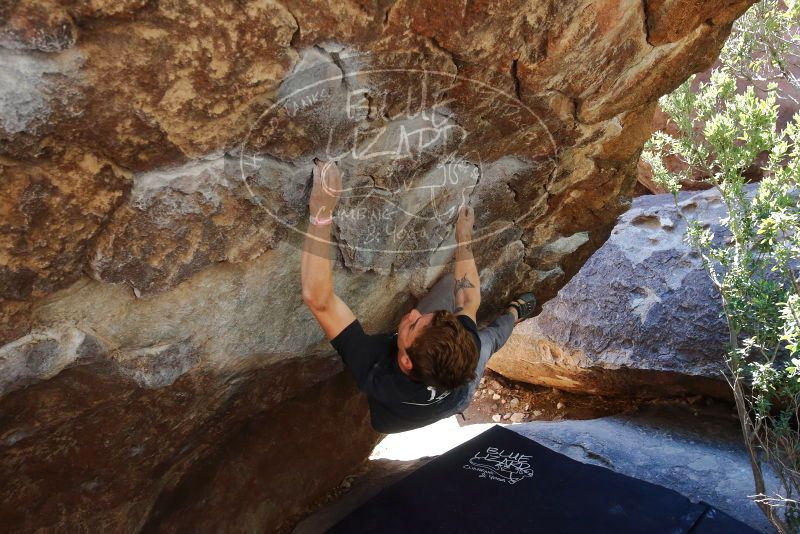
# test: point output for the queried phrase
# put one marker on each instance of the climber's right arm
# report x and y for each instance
(316, 273)
(468, 284)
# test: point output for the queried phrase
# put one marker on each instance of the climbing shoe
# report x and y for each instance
(524, 304)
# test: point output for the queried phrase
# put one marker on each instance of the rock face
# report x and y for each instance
(155, 161)
(640, 318)
(91, 449)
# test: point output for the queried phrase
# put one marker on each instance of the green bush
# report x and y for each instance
(724, 132)
(762, 47)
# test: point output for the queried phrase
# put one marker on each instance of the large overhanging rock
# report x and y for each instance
(240, 452)
(155, 160)
(641, 317)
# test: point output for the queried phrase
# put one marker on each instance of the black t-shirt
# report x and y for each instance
(396, 402)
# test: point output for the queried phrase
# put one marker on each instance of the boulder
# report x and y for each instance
(641, 318)
(155, 161)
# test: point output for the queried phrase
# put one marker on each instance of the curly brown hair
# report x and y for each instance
(444, 355)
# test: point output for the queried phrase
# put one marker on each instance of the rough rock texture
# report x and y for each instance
(155, 160)
(640, 318)
(670, 20)
(90, 450)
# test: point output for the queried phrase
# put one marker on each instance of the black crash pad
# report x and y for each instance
(503, 482)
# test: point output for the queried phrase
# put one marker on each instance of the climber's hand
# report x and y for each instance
(326, 190)
(464, 224)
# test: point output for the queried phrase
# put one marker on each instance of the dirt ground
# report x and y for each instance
(500, 400)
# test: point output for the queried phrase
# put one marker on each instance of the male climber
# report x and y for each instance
(430, 368)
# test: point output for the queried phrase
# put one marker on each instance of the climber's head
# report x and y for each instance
(435, 349)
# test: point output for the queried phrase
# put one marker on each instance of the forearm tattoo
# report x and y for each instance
(463, 283)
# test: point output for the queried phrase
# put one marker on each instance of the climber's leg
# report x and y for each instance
(492, 338)
(440, 297)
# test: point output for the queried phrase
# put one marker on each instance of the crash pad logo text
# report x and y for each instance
(497, 464)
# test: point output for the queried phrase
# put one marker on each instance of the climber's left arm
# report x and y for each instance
(316, 273)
